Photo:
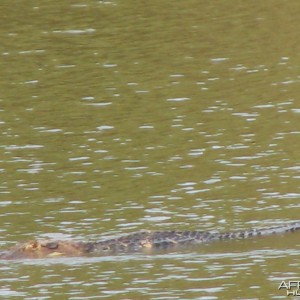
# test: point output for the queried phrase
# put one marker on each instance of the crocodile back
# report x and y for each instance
(170, 239)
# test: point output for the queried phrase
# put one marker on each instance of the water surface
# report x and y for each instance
(118, 116)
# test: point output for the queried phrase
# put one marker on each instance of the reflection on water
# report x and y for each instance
(118, 116)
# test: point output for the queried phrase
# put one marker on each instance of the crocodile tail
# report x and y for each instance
(244, 234)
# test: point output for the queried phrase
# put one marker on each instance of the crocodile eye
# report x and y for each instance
(34, 245)
(30, 246)
(51, 245)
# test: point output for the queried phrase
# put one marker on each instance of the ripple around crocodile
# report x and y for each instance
(139, 241)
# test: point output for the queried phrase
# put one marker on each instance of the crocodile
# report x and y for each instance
(131, 243)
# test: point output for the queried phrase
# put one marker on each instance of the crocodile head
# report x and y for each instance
(43, 249)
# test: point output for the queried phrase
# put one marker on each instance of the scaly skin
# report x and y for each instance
(140, 241)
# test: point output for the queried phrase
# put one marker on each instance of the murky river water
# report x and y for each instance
(118, 116)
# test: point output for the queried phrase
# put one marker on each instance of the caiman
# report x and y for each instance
(135, 242)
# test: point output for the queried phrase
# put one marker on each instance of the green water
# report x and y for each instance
(118, 116)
